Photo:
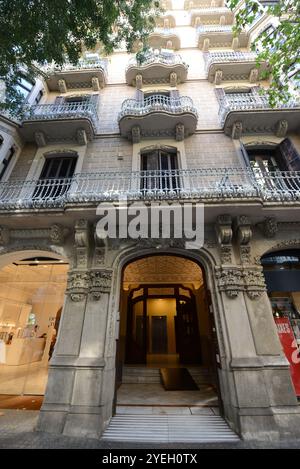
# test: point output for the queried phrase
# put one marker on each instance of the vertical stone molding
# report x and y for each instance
(82, 243)
(244, 235)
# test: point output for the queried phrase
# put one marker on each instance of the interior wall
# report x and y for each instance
(163, 307)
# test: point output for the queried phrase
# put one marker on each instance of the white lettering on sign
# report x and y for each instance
(283, 328)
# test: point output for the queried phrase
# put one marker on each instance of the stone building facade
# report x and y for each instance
(196, 97)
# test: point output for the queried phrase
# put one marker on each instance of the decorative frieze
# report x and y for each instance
(233, 280)
(55, 234)
(93, 282)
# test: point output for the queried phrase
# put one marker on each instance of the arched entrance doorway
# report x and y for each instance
(166, 324)
(282, 275)
(32, 288)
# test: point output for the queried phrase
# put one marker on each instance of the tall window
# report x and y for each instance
(55, 177)
(159, 170)
(25, 86)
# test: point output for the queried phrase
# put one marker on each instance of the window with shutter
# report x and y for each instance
(159, 170)
(55, 177)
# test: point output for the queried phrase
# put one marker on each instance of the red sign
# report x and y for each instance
(289, 344)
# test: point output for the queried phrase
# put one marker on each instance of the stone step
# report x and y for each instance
(141, 375)
(169, 428)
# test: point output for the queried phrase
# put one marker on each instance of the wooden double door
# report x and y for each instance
(142, 339)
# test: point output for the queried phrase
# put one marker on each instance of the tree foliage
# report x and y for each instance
(280, 48)
(40, 31)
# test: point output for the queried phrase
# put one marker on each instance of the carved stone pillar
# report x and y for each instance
(237, 130)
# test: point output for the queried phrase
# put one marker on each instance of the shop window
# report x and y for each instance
(159, 170)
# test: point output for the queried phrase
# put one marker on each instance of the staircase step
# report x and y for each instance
(169, 428)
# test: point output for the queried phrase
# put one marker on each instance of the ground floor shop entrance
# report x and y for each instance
(31, 299)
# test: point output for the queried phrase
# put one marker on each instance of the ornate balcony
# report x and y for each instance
(226, 185)
(164, 39)
(166, 22)
(191, 4)
(157, 68)
(220, 36)
(46, 123)
(86, 74)
(221, 16)
(243, 113)
(225, 66)
(158, 116)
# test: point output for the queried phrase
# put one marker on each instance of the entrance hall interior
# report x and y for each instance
(165, 323)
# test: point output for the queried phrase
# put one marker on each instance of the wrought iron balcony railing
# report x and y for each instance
(208, 185)
(157, 102)
(63, 111)
(250, 101)
(224, 57)
(81, 65)
(165, 59)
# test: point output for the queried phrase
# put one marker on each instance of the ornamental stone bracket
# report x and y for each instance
(233, 280)
(269, 227)
(93, 282)
(82, 243)
(243, 231)
(56, 234)
(224, 233)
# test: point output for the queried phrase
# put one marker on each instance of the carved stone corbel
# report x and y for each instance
(81, 137)
(173, 79)
(205, 47)
(40, 139)
(223, 228)
(269, 227)
(179, 132)
(62, 86)
(281, 128)
(244, 235)
(82, 242)
(253, 77)
(136, 134)
(95, 84)
(235, 43)
(218, 77)
(237, 130)
(139, 81)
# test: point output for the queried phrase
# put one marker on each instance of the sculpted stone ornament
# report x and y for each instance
(218, 77)
(179, 131)
(173, 79)
(244, 234)
(281, 128)
(136, 134)
(255, 284)
(139, 82)
(253, 75)
(100, 282)
(81, 137)
(78, 285)
(62, 86)
(95, 84)
(57, 234)
(40, 139)
(270, 227)
(224, 236)
(230, 280)
(237, 130)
